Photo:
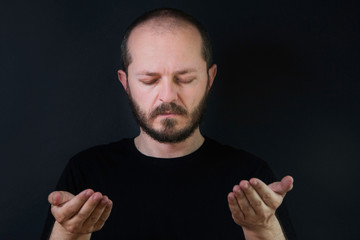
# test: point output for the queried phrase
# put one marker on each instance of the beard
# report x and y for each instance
(168, 132)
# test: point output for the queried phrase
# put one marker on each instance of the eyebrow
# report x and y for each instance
(180, 72)
(185, 71)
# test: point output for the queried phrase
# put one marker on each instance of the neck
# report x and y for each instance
(150, 147)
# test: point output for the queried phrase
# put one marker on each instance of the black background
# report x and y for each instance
(287, 90)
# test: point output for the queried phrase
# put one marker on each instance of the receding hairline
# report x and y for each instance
(163, 25)
(166, 20)
(167, 23)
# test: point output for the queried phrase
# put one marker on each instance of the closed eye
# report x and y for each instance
(150, 81)
(185, 80)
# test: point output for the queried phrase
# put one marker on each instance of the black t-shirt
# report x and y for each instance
(156, 198)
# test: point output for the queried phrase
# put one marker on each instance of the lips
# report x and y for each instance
(168, 114)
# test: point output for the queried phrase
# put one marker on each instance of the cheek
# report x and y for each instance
(193, 99)
(143, 98)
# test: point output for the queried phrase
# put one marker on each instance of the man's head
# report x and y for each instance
(167, 74)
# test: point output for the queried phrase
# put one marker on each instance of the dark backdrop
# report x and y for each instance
(287, 90)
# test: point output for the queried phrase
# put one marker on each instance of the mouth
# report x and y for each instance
(168, 114)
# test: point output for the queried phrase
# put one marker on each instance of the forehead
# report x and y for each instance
(165, 44)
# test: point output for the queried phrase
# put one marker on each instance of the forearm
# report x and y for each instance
(60, 233)
(272, 232)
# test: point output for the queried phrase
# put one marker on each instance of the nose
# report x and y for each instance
(168, 91)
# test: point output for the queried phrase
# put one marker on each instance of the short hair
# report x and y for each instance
(166, 13)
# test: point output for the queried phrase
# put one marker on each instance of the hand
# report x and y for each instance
(81, 214)
(253, 205)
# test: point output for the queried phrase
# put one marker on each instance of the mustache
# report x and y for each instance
(168, 107)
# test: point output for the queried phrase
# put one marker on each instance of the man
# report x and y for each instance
(169, 182)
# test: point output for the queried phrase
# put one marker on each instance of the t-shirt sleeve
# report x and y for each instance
(71, 180)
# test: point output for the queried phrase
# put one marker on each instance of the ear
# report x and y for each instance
(212, 73)
(123, 79)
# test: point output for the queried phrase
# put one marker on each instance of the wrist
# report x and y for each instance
(60, 233)
(271, 231)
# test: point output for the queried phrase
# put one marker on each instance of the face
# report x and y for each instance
(167, 81)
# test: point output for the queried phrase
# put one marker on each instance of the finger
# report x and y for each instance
(234, 207)
(59, 197)
(282, 187)
(105, 215)
(67, 210)
(242, 199)
(87, 209)
(96, 213)
(254, 200)
(268, 196)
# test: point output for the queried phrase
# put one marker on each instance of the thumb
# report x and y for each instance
(282, 187)
(59, 197)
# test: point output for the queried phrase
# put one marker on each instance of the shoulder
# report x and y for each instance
(89, 167)
(239, 160)
(109, 152)
(218, 149)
